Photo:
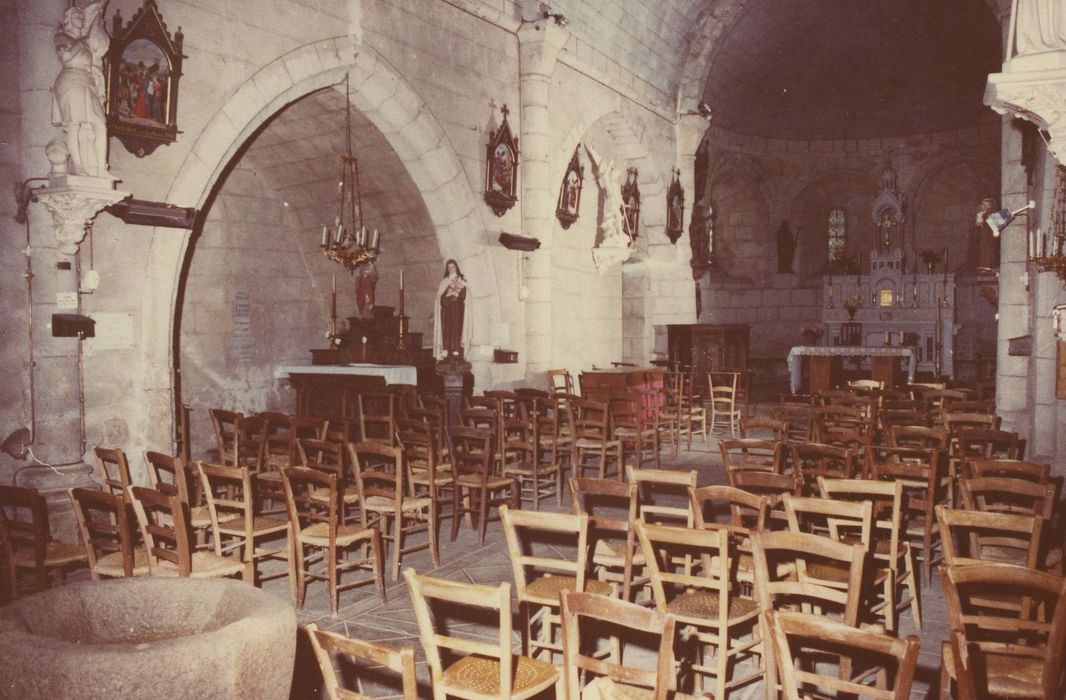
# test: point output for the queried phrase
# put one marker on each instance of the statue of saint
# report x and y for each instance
(985, 242)
(786, 247)
(78, 94)
(451, 323)
(1041, 26)
(614, 235)
(366, 280)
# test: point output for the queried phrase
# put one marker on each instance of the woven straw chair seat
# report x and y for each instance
(1007, 675)
(494, 482)
(261, 524)
(318, 534)
(199, 516)
(548, 588)
(525, 469)
(613, 554)
(383, 504)
(272, 476)
(482, 675)
(55, 554)
(322, 494)
(591, 444)
(442, 477)
(703, 605)
(111, 564)
(204, 565)
(606, 688)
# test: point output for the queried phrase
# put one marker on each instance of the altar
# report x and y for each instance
(331, 390)
(882, 359)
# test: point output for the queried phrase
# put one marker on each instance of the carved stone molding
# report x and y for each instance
(74, 202)
(1038, 96)
(607, 255)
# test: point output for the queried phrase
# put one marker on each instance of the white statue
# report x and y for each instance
(78, 94)
(607, 177)
(1041, 26)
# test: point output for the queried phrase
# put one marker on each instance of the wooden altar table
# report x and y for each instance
(330, 390)
(884, 364)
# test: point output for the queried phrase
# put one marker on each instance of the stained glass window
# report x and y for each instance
(838, 232)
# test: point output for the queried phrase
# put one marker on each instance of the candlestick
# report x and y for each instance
(325, 236)
(333, 299)
(401, 279)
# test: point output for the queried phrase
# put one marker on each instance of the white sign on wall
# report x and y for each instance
(113, 331)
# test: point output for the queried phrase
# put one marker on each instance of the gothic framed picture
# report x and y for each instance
(569, 205)
(501, 168)
(675, 208)
(631, 204)
(143, 68)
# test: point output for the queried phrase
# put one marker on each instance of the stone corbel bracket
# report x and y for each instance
(74, 202)
(1038, 96)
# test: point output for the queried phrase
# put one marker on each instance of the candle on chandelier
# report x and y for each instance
(375, 239)
(325, 236)
(340, 232)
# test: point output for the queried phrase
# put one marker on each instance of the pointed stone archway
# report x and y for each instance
(391, 104)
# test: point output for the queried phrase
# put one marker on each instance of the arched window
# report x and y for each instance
(838, 232)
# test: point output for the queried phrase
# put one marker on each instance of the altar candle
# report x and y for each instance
(401, 279)
(325, 236)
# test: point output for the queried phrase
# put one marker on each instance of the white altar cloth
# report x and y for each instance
(794, 355)
(393, 374)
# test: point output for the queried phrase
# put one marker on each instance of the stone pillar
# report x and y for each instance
(539, 43)
(58, 438)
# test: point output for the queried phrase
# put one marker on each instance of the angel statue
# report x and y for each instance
(615, 244)
(78, 94)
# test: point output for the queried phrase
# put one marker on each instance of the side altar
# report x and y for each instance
(893, 307)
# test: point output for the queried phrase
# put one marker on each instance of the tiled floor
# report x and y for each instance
(363, 615)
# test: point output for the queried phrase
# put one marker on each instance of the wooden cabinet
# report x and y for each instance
(709, 347)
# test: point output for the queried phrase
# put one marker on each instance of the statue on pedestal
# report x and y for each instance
(366, 280)
(78, 94)
(451, 323)
(985, 241)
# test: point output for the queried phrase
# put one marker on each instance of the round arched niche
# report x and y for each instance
(946, 201)
(808, 216)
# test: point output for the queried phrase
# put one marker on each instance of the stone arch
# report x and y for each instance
(390, 103)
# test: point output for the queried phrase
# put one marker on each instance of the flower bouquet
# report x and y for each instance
(812, 334)
(931, 258)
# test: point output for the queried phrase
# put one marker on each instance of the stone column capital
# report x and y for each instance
(1038, 96)
(539, 44)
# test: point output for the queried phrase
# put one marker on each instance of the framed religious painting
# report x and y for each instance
(675, 208)
(569, 205)
(143, 68)
(501, 168)
(631, 204)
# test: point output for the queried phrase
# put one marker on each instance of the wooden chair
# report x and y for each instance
(737, 511)
(782, 583)
(798, 418)
(973, 537)
(520, 455)
(225, 424)
(316, 526)
(552, 429)
(802, 643)
(236, 528)
(165, 531)
(1012, 468)
(1016, 651)
(752, 453)
(611, 507)
(756, 427)
(112, 470)
(723, 398)
(893, 560)
(328, 646)
(330, 457)
(426, 475)
(705, 603)
(385, 504)
(633, 425)
(867, 385)
(32, 548)
(540, 577)
(773, 487)
(607, 615)
(920, 472)
(107, 533)
(174, 475)
(593, 446)
(987, 444)
(8, 579)
(1004, 494)
(486, 670)
(692, 413)
(560, 381)
(812, 460)
(476, 491)
(377, 418)
(918, 436)
(662, 495)
(956, 651)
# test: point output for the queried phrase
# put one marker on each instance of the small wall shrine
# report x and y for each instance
(896, 303)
